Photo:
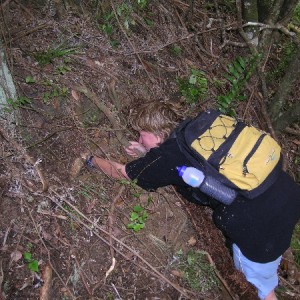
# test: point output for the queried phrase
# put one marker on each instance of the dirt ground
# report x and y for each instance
(73, 220)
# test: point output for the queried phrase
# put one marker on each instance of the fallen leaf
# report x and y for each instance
(177, 273)
(75, 95)
(297, 142)
(16, 255)
(192, 241)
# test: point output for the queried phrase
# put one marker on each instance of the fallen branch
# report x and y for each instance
(218, 274)
(82, 277)
(47, 279)
(110, 224)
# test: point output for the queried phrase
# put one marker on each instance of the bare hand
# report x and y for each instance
(135, 149)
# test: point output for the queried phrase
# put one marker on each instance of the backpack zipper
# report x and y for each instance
(250, 154)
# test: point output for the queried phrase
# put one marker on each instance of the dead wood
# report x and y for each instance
(45, 292)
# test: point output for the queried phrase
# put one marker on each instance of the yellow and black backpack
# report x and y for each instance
(240, 156)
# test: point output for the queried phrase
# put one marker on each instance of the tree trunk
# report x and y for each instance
(287, 83)
(287, 118)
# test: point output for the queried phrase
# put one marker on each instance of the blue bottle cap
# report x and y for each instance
(181, 170)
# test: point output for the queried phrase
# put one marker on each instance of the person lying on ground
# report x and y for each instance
(257, 231)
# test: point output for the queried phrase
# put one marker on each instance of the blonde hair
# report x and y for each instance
(156, 117)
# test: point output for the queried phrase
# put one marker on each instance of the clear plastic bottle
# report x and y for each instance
(207, 184)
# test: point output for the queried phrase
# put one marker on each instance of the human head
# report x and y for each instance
(157, 117)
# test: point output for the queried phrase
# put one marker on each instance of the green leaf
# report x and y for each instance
(229, 78)
(193, 79)
(130, 225)
(29, 80)
(190, 259)
(27, 256)
(233, 71)
(241, 97)
(134, 216)
(34, 266)
(241, 61)
(126, 24)
(137, 208)
(138, 227)
(238, 67)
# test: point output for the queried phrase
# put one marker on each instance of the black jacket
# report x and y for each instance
(261, 227)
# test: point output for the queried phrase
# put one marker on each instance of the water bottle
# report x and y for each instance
(207, 184)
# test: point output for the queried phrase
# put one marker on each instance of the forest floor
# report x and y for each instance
(73, 220)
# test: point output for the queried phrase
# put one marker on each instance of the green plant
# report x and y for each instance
(194, 87)
(47, 56)
(286, 55)
(142, 3)
(138, 218)
(296, 15)
(56, 92)
(15, 104)
(107, 26)
(197, 272)
(124, 12)
(32, 264)
(90, 191)
(176, 50)
(29, 80)
(238, 74)
(63, 69)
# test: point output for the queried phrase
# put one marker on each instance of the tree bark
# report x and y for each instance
(287, 82)
(290, 116)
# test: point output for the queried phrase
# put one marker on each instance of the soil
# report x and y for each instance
(73, 220)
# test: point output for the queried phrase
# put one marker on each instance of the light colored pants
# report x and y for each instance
(262, 275)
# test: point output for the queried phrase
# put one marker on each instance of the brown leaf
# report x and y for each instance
(192, 241)
(297, 142)
(75, 95)
(177, 273)
(16, 255)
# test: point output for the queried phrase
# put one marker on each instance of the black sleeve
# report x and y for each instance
(158, 167)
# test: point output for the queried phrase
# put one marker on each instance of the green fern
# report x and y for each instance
(238, 74)
(193, 88)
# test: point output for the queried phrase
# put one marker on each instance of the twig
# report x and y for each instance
(1, 280)
(266, 116)
(27, 32)
(25, 9)
(48, 213)
(110, 224)
(6, 234)
(48, 137)
(267, 26)
(218, 274)
(82, 277)
(47, 278)
(290, 285)
(292, 131)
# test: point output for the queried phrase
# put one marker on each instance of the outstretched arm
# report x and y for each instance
(110, 168)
